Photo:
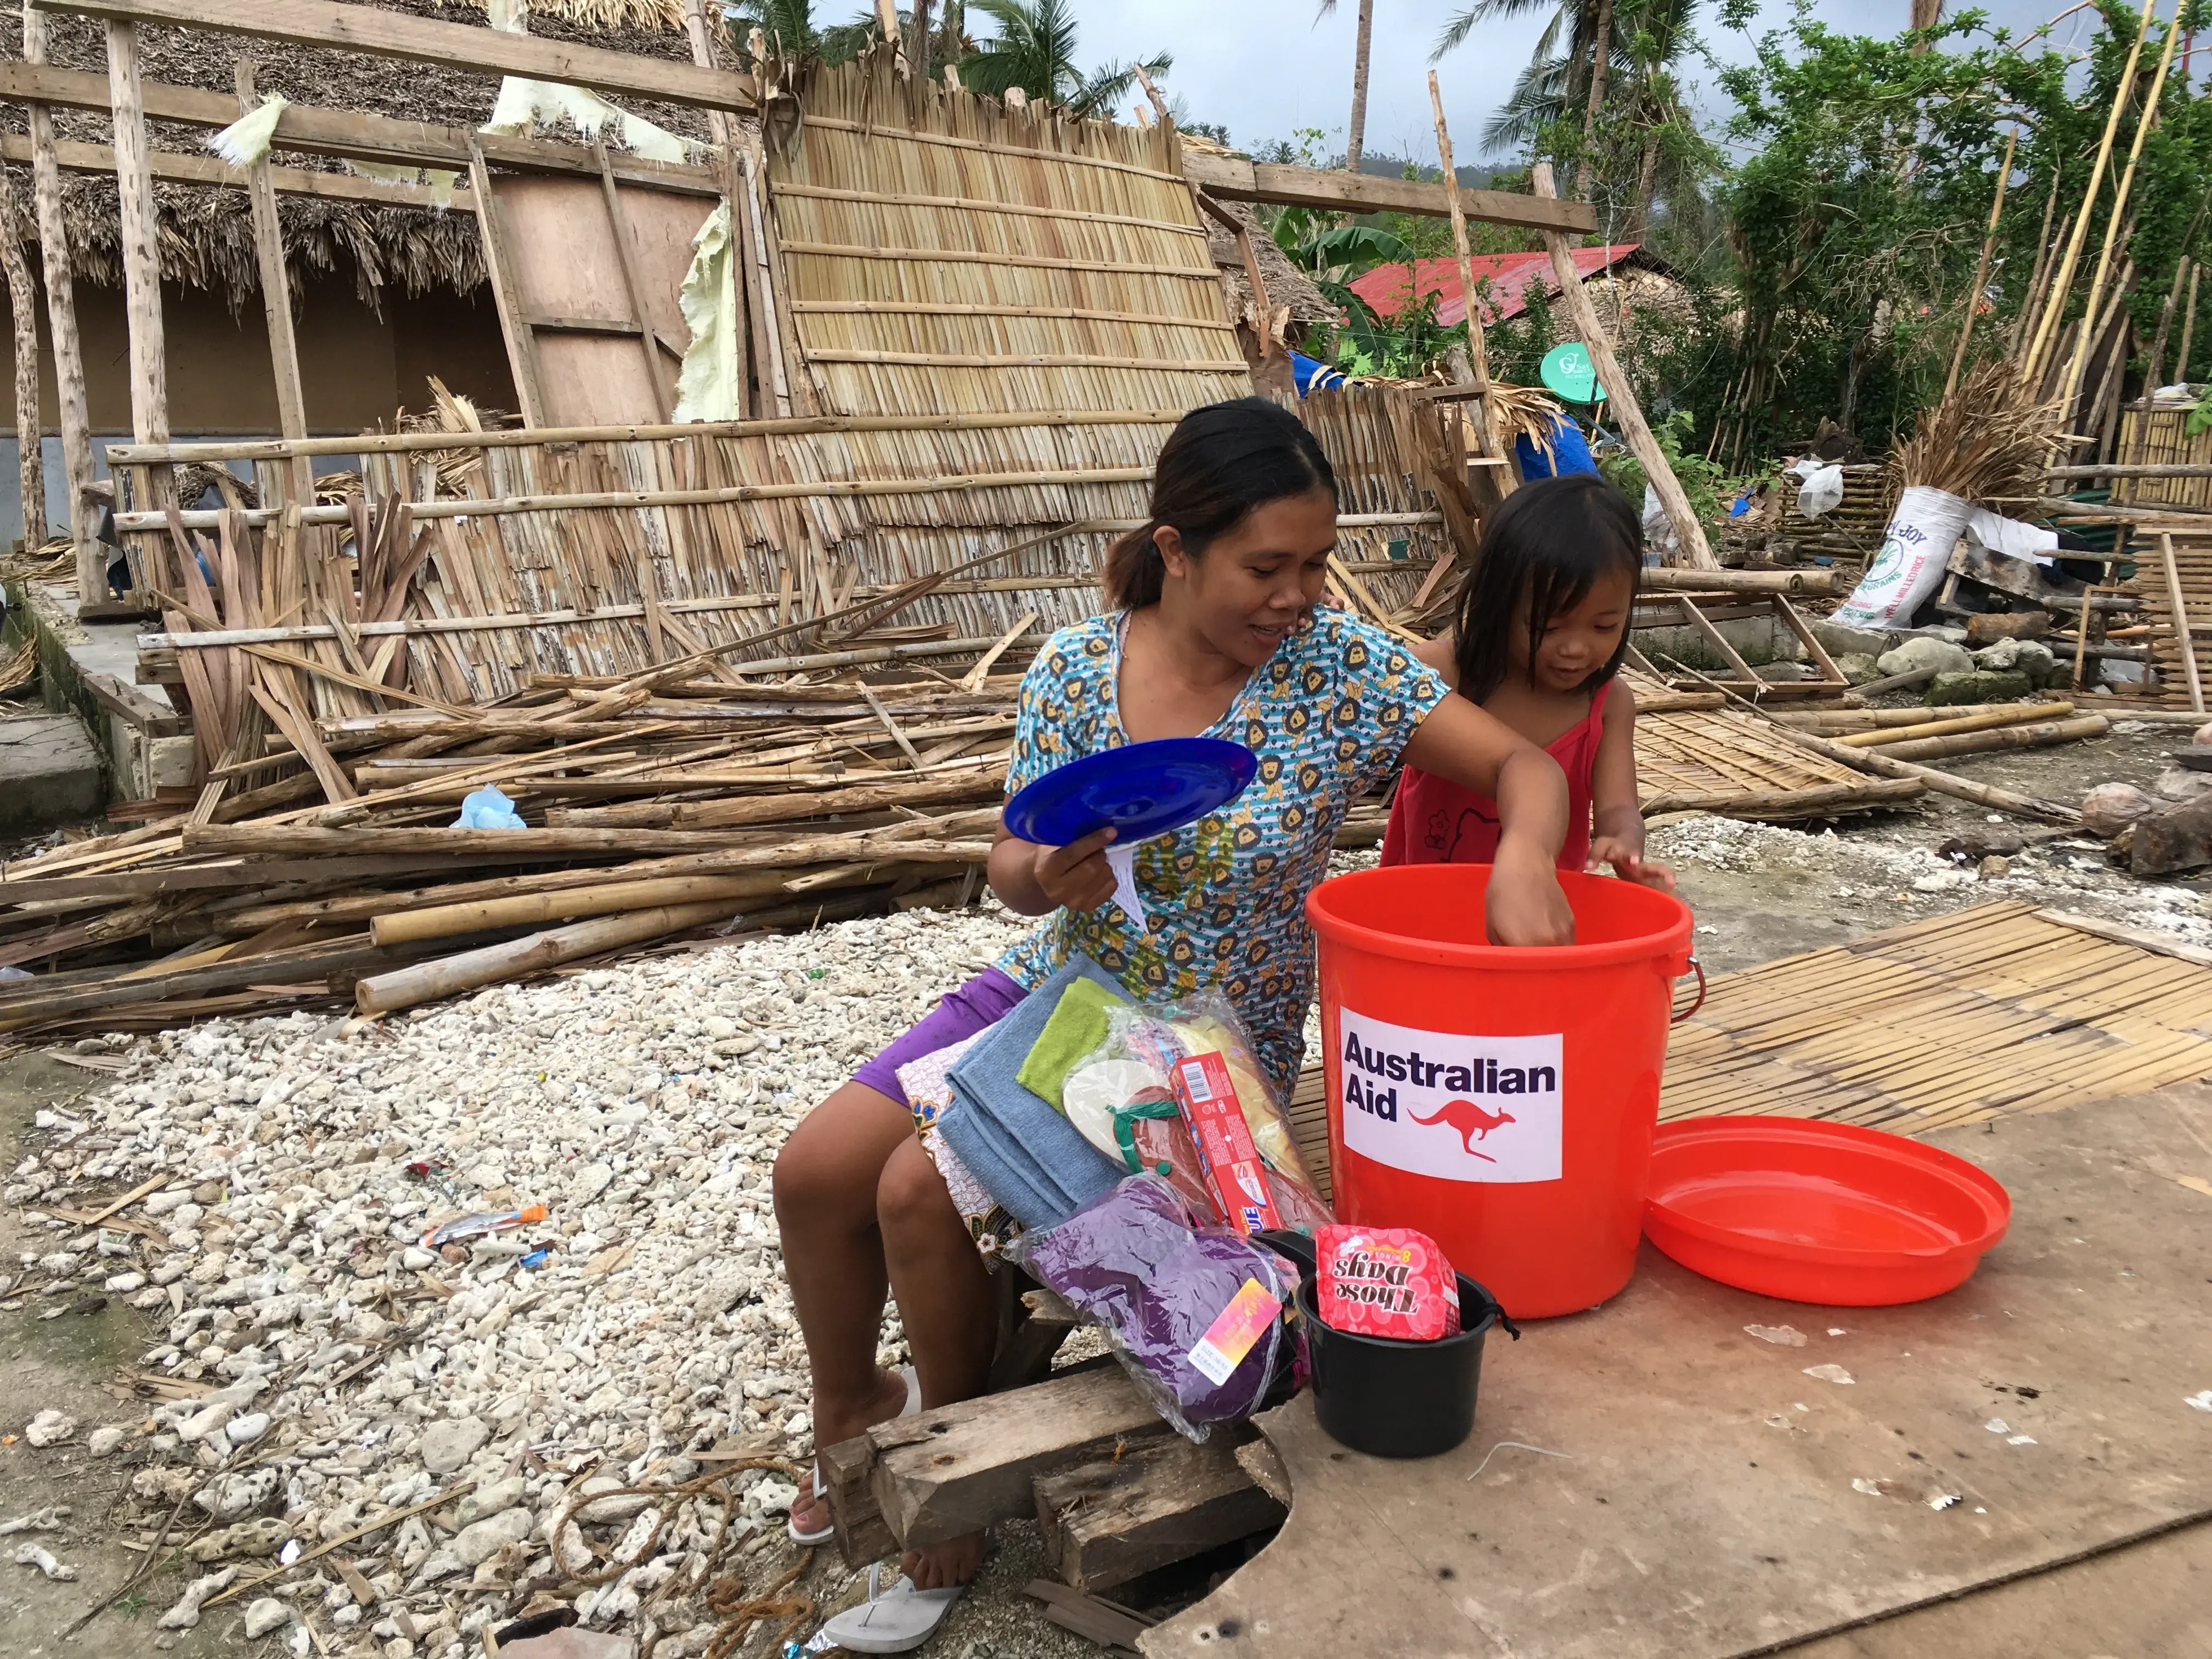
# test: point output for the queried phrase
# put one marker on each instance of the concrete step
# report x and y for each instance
(49, 772)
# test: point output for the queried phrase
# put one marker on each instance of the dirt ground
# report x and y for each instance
(1759, 893)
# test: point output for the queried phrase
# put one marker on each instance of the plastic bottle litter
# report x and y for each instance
(489, 808)
(481, 1225)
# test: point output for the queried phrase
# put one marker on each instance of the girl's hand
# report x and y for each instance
(1628, 862)
(1076, 875)
(1524, 905)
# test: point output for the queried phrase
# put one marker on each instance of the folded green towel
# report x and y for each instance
(1073, 1033)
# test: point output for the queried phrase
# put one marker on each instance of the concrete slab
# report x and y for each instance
(90, 668)
(49, 772)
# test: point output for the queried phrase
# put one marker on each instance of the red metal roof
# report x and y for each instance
(1389, 288)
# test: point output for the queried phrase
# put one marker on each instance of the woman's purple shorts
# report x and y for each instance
(962, 1012)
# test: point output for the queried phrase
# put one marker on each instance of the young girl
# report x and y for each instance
(1541, 631)
(1213, 628)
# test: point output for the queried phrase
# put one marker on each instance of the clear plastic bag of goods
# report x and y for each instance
(1151, 1096)
(1196, 1313)
(1915, 551)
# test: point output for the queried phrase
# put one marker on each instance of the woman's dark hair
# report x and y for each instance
(1220, 462)
(1550, 542)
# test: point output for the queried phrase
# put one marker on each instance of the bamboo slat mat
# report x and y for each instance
(2192, 560)
(1978, 1014)
(1700, 756)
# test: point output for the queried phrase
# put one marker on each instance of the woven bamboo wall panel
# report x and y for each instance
(2159, 437)
(1009, 245)
(1994, 1010)
(2192, 561)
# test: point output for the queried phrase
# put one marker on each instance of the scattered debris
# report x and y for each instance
(1830, 1373)
(50, 1428)
(1784, 1335)
(31, 1555)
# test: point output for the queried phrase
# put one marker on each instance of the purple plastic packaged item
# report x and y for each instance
(1194, 1312)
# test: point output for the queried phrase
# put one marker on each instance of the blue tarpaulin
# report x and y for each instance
(1570, 451)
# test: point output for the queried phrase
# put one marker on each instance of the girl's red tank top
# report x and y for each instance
(1435, 821)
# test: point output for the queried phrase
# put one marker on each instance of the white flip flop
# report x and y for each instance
(895, 1621)
(912, 1408)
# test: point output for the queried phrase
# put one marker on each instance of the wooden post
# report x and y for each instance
(2188, 323)
(2183, 641)
(1687, 530)
(61, 331)
(23, 302)
(1981, 266)
(141, 263)
(277, 301)
(1477, 356)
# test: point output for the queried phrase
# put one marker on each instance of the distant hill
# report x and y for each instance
(1393, 166)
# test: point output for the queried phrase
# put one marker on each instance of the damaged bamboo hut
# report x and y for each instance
(751, 666)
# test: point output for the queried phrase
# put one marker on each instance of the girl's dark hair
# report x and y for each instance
(1220, 462)
(1547, 545)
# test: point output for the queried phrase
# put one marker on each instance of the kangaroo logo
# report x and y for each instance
(1470, 1122)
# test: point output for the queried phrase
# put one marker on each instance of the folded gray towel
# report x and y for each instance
(1029, 1156)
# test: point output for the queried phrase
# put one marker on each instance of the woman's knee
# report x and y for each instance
(832, 1159)
(911, 1200)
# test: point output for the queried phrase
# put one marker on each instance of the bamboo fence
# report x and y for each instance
(2152, 436)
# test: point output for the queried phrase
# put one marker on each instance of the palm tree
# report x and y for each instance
(1035, 49)
(1356, 135)
(788, 26)
(1643, 39)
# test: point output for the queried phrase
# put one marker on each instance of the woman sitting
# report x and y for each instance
(1217, 630)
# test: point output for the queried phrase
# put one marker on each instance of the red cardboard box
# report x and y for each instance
(1233, 1169)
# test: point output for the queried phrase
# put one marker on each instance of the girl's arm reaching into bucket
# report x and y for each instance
(1616, 820)
(1481, 752)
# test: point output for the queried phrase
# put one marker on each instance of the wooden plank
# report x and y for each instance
(1749, 1507)
(461, 46)
(1234, 178)
(276, 304)
(513, 320)
(1106, 1522)
(174, 168)
(141, 263)
(948, 1473)
(847, 1472)
(351, 132)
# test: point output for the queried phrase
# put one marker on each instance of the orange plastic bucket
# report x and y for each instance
(1503, 1101)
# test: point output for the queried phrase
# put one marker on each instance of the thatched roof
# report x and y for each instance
(1286, 284)
(207, 240)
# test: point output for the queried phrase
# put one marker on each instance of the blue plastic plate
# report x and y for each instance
(1142, 789)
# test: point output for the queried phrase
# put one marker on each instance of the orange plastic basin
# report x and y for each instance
(1824, 1212)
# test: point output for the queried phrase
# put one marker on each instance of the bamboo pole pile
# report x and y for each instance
(652, 810)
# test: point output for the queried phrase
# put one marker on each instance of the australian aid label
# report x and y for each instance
(1446, 1105)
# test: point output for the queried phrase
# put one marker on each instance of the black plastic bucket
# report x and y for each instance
(1393, 1399)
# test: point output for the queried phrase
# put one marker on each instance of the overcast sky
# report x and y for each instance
(1264, 68)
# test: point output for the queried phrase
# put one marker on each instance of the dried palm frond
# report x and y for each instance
(49, 561)
(21, 671)
(1991, 439)
(1524, 411)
